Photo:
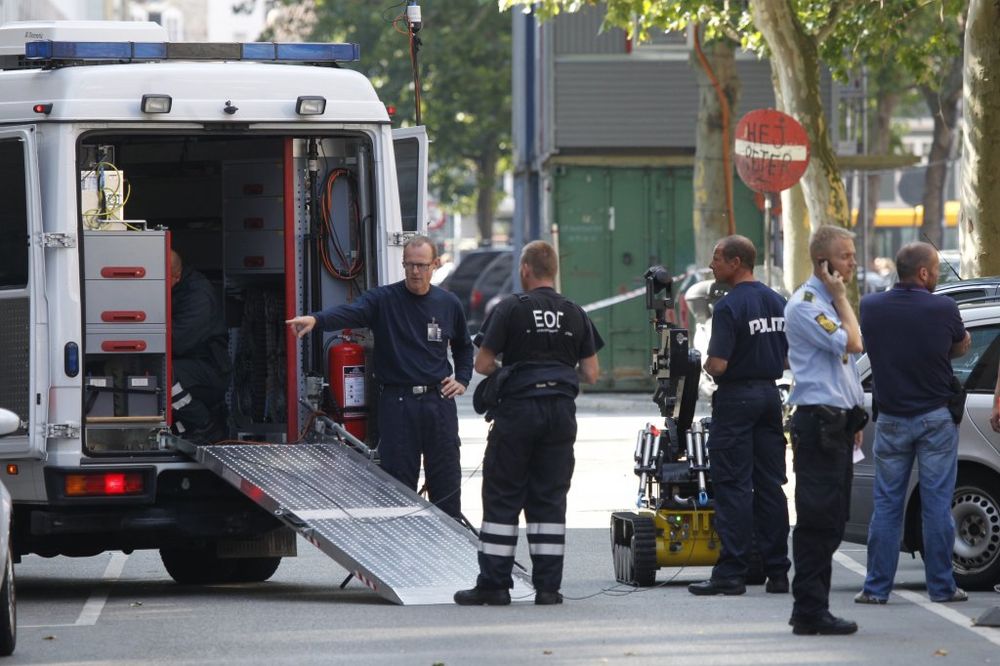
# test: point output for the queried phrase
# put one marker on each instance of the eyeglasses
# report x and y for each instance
(409, 265)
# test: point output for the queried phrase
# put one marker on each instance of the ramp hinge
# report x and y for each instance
(62, 431)
(58, 240)
(399, 238)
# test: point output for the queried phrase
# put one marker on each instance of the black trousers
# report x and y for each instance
(747, 455)
(528, 466)
(426, 425)
(198, 398)
(822, 502)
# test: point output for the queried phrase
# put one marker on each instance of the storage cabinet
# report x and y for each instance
(254, 217)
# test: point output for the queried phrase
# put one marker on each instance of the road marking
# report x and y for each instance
(95, 604)
(941, 610)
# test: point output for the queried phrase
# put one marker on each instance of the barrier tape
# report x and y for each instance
(614, 300)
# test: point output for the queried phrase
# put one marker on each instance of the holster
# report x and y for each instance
(956, 404)
(832, 426)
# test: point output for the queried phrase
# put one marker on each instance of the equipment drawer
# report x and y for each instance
(116, 339)
(126, 302)
(125, 255)
(252, 179)
(257, 251)
(254, 214)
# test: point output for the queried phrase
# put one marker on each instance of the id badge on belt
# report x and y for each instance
(433, 331)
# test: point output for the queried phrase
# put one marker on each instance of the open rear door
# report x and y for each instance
(411, 175)
(23, 322)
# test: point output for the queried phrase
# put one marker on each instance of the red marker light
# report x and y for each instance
(390, 109)
(42, 108)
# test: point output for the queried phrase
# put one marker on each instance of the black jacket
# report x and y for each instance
(198, 326)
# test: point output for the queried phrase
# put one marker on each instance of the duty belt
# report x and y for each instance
(415, 390)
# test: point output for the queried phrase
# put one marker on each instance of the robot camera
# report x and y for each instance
(658, 279)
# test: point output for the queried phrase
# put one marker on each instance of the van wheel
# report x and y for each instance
(976, 510)
(201, 566)
(254, 569)
(8, 609)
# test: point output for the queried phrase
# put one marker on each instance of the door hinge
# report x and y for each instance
(400, 237)
(58, 240)
(62, 431)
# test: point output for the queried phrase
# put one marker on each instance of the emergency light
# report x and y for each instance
(48, 51)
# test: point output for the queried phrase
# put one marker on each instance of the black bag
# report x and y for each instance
(956, 404)
(489, 391)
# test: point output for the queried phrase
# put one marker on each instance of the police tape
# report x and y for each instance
(614, 300)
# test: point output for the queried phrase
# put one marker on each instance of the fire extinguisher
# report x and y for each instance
(347, 383)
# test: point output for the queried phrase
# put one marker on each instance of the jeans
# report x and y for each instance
(932, 438)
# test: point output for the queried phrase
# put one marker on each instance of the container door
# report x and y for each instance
(411, 176)
(23, 324)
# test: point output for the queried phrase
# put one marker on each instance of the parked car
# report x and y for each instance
(976, 502)
(974, 290)
(470, 266)
(497, 279)
(9, 423)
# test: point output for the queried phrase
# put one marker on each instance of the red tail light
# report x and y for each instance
(475, 298)
(104, 484)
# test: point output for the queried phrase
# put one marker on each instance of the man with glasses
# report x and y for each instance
(414, 323)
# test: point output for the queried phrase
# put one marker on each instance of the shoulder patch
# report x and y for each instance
(807, 296)
(826, 323)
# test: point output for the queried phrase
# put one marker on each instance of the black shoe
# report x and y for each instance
(478, 596)
(825, 625)
(543, 598)
(713, 586)
(777, 584)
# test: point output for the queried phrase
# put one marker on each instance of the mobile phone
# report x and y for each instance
(829, 267)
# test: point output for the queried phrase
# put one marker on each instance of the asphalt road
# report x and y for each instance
(121, 609)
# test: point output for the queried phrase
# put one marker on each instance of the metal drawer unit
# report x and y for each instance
(126, 318)
(254, 217)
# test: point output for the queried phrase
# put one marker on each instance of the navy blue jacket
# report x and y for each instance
(198, 328)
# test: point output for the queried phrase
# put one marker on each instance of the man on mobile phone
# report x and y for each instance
(823, 340)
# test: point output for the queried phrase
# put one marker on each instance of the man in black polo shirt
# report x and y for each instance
(414, 323)
(911, 335)
(746, 443)
(529, 454)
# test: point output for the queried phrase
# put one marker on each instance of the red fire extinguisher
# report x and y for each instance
(347, 383)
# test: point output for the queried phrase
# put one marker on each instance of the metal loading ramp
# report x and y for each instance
(391, 539)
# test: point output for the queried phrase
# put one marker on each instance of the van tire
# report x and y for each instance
(254, 569)
(201, 566)
(8, 609)
(976, 510)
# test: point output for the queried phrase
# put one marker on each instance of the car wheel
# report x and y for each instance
(976, 511)
(8, 609)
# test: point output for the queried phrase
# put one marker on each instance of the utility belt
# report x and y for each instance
(835, 424)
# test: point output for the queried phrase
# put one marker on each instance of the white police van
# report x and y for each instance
(268, 168)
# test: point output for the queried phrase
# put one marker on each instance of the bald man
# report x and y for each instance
(200, 355)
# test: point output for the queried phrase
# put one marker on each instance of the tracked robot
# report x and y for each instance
(673, 522)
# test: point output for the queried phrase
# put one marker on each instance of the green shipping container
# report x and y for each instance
(614, 223)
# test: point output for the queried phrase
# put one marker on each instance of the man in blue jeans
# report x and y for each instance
(911, 336)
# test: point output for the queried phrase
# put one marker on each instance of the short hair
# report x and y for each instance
(739, 246)
(823, 237)
(417, 241)
(541, 258)
(914, 256)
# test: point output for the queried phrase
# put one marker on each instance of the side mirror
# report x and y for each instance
(9, 422)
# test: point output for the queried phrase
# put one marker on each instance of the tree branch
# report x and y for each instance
(837, 10)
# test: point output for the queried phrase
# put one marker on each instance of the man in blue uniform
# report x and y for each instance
(200, 357)
(746, 443)
(823, 340)
(529, 460)
(414, 323)
(911, 336)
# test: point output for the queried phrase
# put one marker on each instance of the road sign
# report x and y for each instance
(772, 150)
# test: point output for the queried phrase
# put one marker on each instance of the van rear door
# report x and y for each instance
(23, 322)
(411, 176)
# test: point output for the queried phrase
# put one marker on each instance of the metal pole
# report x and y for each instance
(767, 238)
(863, 208)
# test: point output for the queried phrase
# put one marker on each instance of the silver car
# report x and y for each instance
(976, 503)
(9, 423)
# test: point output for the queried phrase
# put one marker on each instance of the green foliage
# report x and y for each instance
(465, 66)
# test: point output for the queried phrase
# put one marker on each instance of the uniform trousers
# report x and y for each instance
(747, 456)
(198, 398)
(424, 425)
(528, 465)
(823, 477)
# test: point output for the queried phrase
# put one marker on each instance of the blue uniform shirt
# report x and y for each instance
(748, 331)
(825, 374)
(908, 335)
(412, 333)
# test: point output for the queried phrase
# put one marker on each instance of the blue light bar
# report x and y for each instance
(50, 51)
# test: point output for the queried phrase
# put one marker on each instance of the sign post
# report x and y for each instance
(772, 153)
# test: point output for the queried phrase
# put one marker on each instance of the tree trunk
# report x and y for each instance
(710, 215)
(795, 238)
(795, 64)
(979, 235)
(486, 187)
(885, 105)
(943, 105)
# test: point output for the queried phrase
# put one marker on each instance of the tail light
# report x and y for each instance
(475, 298)
(104, 484)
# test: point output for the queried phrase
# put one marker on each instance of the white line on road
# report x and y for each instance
(940, 610)
(95, 604)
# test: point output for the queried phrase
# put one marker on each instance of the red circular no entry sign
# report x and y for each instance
(772, 150)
